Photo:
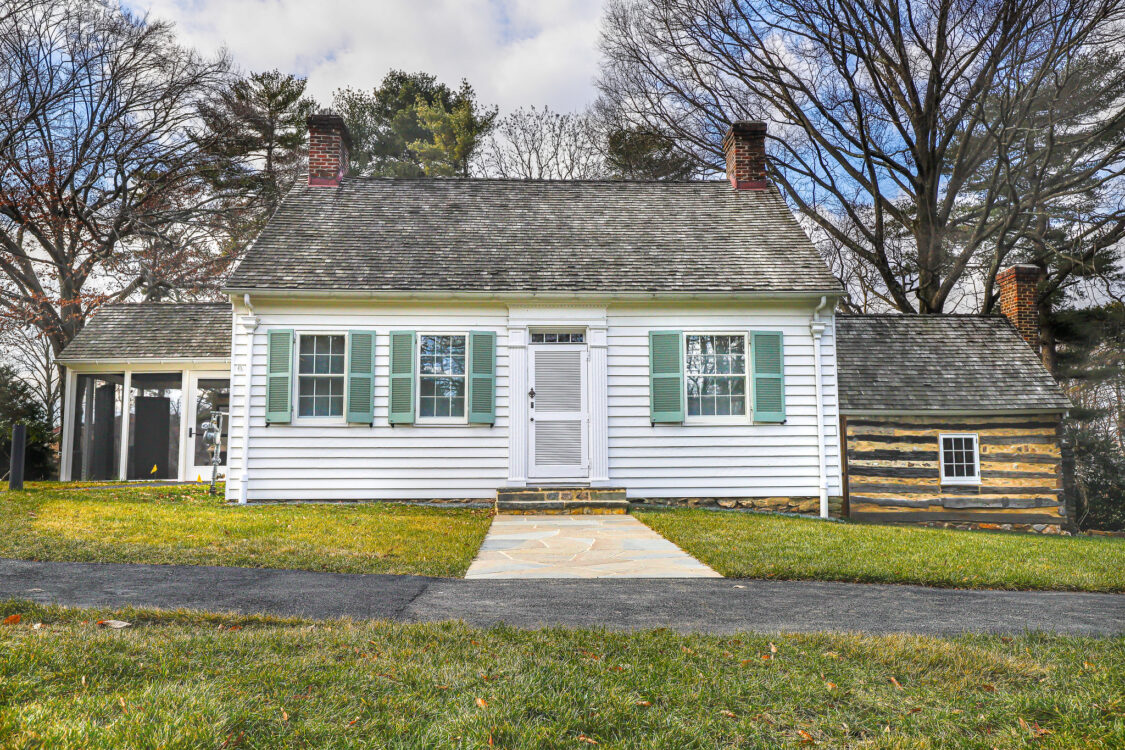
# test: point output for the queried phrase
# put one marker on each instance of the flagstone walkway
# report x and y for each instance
(594, 546)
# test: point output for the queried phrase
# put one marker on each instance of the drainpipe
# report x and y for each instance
(817, 326)
(249, 325)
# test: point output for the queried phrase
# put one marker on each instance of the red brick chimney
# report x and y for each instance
(329, 142)
(745, 149)
(1019, 287)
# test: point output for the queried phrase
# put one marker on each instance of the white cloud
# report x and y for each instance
(514, 52)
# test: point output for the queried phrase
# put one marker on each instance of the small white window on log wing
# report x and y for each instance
(960, 459)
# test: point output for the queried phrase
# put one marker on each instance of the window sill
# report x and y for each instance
(717, 420)
(961, 484)
(440, 422)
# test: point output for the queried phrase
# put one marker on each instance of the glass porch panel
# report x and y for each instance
(212, 396)
(95, 447)
(155, 411)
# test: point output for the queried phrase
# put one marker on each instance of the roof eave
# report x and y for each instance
(494, 294)
(63, 360)
(991, 411)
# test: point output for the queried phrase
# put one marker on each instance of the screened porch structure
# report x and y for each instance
(142, 380)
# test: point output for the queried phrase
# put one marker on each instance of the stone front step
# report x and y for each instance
(561, 500)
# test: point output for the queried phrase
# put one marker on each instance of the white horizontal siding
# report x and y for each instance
(696, 460)
(317, 461)
(339, 461)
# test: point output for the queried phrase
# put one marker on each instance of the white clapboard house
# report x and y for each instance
(455, 338)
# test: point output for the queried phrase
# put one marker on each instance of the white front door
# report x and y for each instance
(208, 400)
(558, 434)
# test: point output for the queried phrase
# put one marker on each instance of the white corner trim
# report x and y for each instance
(817, 327)
(250, 325)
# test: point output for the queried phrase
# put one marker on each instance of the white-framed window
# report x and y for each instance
(960, 458)
(442, 383)
(320, 376)
(716, 377)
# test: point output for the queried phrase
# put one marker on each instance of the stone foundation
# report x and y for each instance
(1033, 528)
(808, 506)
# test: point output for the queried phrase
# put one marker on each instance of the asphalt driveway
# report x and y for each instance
(715, 605)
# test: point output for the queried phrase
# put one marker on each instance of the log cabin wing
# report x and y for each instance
(949, 420)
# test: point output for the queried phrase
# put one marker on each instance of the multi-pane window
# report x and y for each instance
(715, 375)
(441, 377)
(320, 376)
(960, 462)
(557, 338)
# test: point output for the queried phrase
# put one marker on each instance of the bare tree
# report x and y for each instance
(102, 194)
(32, 358)
(541, 144)
(893, 120)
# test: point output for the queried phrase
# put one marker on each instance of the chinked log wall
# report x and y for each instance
(894, 475)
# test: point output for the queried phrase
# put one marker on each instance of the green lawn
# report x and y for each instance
(193, 680)
(182, 524)
(756, 545)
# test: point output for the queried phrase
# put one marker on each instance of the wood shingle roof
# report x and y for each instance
(154, 330)
(916, 363)
(536, 236)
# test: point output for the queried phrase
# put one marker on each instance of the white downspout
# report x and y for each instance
(249, 325)
(817, 326)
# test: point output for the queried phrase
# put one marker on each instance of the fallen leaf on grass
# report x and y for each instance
(988, 688)
(830, 685)
(353, 722)
(645, 704)
(13, 619)
(728, 713)
(114, 624)
(831, 654)
(806, 738)
(773, 649)
(122, 702)
(896, 683)
(482, 703)
(38, 626)
(588, 740)
(284, 715)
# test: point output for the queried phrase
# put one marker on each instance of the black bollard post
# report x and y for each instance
(19, 442)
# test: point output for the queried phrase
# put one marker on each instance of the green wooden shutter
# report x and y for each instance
(279, 373)
(768, 360)
(666, 376)
(482, 377)
(402, 378)
(361, 377)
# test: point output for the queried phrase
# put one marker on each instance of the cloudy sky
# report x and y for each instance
(515, 52)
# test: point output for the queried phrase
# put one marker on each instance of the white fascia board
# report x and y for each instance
(134, 362)
(514, 294)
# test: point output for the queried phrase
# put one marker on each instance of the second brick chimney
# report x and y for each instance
(329, 143)
(1019, 290)
(745, 149)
